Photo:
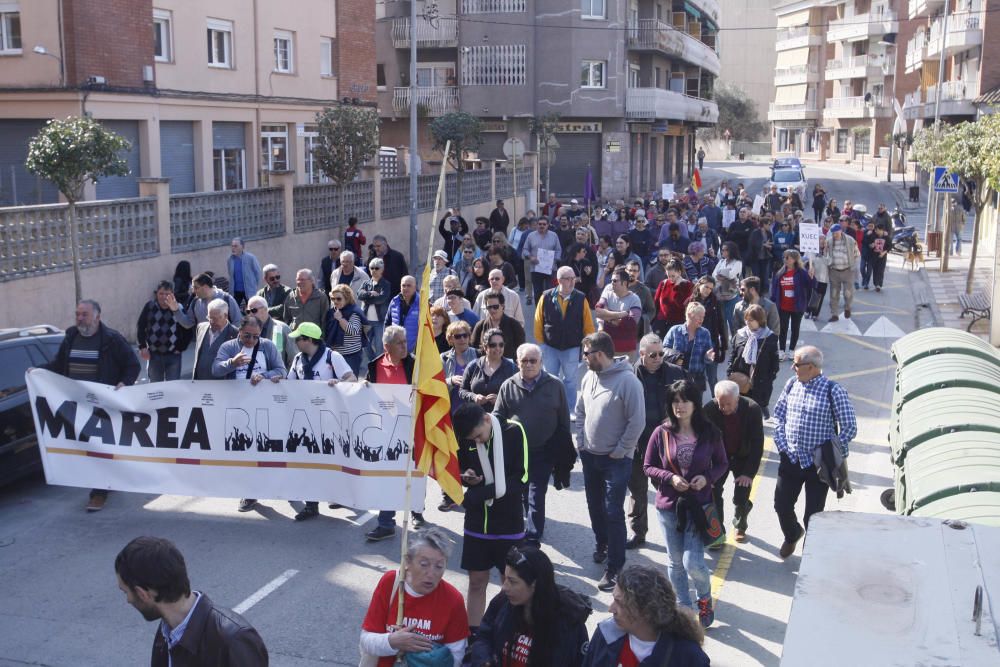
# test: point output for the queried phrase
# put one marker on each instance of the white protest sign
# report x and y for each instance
(809, 238)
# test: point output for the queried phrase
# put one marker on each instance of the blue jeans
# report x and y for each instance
(164, 366)
(605, 481)
(533, 498)
(354, 361)
(539, 283)
(568, 361)
(375, 341)
(957, 235)
(711, 376)
(729, 308)
(685, 557)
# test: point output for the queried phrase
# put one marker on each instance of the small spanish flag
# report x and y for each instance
(696, 180)
(435, 448)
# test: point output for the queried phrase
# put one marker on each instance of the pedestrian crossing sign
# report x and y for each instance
(944, 180)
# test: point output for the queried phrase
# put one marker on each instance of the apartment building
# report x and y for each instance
(954, 65)
(212, 96)
(631, 80)
(746, 50)
(835, 78)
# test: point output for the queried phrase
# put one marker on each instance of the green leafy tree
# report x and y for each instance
(348, 139)
(737, 113)
(969, 150)
(70, 153)
(464, 131)
(544, 128)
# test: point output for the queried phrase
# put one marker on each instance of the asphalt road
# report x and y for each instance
(61, 605)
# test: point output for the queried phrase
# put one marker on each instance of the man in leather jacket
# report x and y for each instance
(192, 631)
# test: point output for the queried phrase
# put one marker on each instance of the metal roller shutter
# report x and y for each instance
(228, 135)
(575, 153)
(19, 187)
(119, 187)
(177, 154)
(492, 148)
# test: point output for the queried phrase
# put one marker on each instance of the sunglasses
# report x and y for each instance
(253, 310)
(333, 248)
(460, 335)
(800, 364)
(495, 346)
(249, 336)
(656, 355)
(274, 278)
(495, 306)
(530, 361)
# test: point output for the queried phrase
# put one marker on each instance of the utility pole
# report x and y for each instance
(938, 218)
(414, 258)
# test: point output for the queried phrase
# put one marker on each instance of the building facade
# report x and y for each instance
(212, 96)
(746, 50)
(630, 79)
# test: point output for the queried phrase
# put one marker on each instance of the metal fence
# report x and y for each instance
(395, 197)
(315, 206)
(477, 186)
(211, 219)
(36, 239)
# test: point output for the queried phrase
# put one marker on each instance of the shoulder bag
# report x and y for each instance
(711, 530)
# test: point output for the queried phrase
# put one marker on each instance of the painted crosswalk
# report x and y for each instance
(883, 327)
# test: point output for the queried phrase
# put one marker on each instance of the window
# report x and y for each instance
(592, 74)
(380, 76)
(284, 55)
(230, 168)
(593, 9)
(435, 75)
(10, 29)
(494, 65)
(326, 56)
(274, 147)
(162, 47)
(220, 43)
(633, 76)
(841, 141)
(313, 172)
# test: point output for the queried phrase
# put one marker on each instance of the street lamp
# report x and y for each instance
(42, 51)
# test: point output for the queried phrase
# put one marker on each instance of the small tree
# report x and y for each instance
(544, 127)
(737, 113)
(70, 153)
(348, 139)
(464, 131)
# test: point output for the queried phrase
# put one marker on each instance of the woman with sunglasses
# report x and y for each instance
(343, 330)
(439, 325)
(477, 281)
(483, 377)
(532, 621)
(374, 298)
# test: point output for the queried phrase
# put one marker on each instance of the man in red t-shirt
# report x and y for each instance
(393, 366)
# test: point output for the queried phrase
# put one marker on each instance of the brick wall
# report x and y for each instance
(354, 50)
(990, 59)
(109, 38)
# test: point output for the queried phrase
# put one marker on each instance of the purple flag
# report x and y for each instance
(588, 187)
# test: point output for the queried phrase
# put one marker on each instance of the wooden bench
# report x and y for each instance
(977, 304)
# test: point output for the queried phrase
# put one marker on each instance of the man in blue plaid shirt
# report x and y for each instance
(811, 410)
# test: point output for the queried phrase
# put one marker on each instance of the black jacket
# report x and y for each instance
(654, 388)
(505, 515)
(607, 641)
(408, 362)
(215, 637)
(763, 372)
(116, 361)
(568, 642)
(747, 460)
(395, 268)
(499, 221)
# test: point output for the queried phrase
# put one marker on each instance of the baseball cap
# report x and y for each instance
(836, 228)
(309, 330)
(441, 254)
(573, 201)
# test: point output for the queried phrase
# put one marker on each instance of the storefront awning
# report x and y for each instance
(692, 10)
(785, 95)
(792, 58)
(794, 20)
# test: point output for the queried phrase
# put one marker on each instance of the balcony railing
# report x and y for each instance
(805, 111)
(656, 35)
(879, 21)
(923, 7)
(493, 6)
(785, 34)
(953, 91)
(845, 103)
(654, 103)
(443, 33)
(796, 74)
(964, 32)
(432, 100)
(855, 67)
(916, 51)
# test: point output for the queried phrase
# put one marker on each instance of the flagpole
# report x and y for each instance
(404, 542)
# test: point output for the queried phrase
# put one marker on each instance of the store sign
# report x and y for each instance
(613, 146)
(641, 128)
(796, 124)
(495, 126)
(579, 128)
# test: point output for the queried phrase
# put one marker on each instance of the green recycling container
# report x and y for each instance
(940, 340)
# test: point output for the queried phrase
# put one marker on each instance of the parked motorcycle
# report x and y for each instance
(904, 237)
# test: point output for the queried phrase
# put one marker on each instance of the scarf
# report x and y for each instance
(498, 462)
(749, 350)
(309, 363)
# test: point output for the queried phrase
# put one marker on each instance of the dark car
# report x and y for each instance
(20, 349)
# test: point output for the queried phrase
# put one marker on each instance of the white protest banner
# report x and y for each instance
(291, 440)
(809, 238)
(667, 190)
(758, 204)
(728, 217)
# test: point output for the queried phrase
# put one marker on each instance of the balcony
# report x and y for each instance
(856, 67)
(709, 8)
(648, 104)
(916, 52)
(854, 107)
(796, 74)
(879, 21)
(913, 105)
(807, 111)
(956, 98)
(661, 37)
(431, 101)
(442, 34)
(795, 38)
(965, 31)
(923, 7)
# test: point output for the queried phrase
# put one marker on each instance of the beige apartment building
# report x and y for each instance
(212, 96)
(746, 49)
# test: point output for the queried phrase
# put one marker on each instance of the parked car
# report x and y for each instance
(20, 349)
(787, 180)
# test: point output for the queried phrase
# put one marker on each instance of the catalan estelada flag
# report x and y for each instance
(435, 448)
(696, 180)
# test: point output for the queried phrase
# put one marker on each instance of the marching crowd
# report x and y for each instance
(635, 308)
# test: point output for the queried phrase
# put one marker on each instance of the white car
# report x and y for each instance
(788, 180)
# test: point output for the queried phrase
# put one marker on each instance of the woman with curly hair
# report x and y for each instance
(532, 621)
(646, 626)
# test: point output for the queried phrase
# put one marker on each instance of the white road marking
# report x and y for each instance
(363, 519)
(264, 591)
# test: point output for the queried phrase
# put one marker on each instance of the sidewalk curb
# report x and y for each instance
(923, 297)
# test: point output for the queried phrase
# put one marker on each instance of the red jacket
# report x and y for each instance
(671, 299)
